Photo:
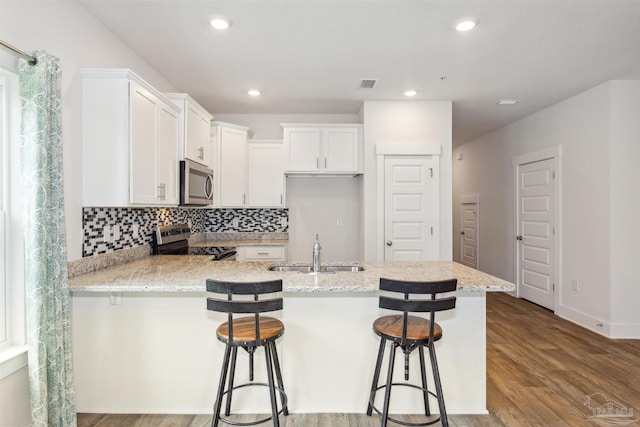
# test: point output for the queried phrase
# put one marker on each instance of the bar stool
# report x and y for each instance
(248, 332)
(411, 333)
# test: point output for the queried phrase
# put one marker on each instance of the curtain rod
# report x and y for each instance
(32, 60)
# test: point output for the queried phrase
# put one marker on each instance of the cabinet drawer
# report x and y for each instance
(275, 253)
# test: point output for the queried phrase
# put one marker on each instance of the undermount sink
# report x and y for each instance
(308, 269)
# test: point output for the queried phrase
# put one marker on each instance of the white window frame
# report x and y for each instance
(12, 309)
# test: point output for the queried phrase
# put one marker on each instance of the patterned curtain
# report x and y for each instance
(46, 281)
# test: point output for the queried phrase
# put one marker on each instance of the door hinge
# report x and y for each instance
(431, 172)
(553, 174)
(432, 231)
(554, 287)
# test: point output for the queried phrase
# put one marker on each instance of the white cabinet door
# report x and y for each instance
(144, 149)
(266, 181)
(232, 166)
(340, 150)
(198, 136)
(168, 155)
(262, 253)
(303, 149)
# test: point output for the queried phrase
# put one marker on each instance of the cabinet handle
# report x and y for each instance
(161, 191)
(281, 199)
(263, 253)
(317, 163)
(325, 162)
(244, 199)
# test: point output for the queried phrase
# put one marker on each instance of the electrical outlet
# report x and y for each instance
(116, 232)
(283, 222)
(339, 223)
(574, 285)
(106, 233)
(235, 222)
(135, 230)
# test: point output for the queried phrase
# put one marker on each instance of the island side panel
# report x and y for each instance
(157, 353)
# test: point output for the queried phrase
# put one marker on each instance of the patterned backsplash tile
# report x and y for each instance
(131, 227)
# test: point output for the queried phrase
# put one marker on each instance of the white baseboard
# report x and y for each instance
(596, 325)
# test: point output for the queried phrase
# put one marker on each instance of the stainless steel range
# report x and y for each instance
(174, 240)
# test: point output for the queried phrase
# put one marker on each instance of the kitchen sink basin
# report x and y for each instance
(325, 268)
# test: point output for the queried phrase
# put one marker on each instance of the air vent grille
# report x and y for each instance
(367, 83)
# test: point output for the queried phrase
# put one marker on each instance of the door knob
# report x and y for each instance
(389, 243)
(462, 233)
(518, 237)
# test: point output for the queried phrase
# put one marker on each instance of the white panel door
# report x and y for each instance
(469, 234)
(411, 208)
(535, 211)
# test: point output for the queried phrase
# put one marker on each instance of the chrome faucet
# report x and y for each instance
(316, 255)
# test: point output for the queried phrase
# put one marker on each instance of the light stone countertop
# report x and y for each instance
(188, 273)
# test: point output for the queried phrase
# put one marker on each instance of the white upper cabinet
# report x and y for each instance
(195, 129)
(230, 166)
(265, 174)
(322, 149)
(129, 141)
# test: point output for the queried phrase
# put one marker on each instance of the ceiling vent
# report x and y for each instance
(367, 84)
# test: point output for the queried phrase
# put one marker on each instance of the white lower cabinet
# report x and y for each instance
(265, 174)
(129, 141)
(262, 253)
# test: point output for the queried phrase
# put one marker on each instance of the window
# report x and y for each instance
(12, 310)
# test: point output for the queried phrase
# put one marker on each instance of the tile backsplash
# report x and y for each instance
(131, 227)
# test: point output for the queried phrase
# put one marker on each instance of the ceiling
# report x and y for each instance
(309, 56)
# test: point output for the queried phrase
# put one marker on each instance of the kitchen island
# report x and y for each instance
(144, 342)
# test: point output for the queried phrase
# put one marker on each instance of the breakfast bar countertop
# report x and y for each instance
(180, 273)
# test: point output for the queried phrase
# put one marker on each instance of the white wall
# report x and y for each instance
(267, 126)
(583, 127)
(406, 121)
(624, 199)
(315, 207)
(65, 29)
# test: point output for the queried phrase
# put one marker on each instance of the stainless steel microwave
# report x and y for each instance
(196, 184)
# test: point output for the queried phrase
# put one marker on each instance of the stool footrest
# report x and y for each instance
(283, 401)
(395, 420)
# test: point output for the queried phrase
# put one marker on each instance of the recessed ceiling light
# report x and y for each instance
(220, 22)
(465, 24)
(508, 101)
(410, 93)
(253, 92)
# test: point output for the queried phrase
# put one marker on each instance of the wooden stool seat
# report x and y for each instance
(417, 328)
(244, 330)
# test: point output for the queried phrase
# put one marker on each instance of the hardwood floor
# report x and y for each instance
(540, 371)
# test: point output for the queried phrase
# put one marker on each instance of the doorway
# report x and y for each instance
(537, 183)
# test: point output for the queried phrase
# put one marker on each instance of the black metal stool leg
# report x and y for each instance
(272, 387)
(436, 379)
(376, 377)
(232, 374)
(423, 372)
(276, 363)
(221, 385)
(387, 391)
